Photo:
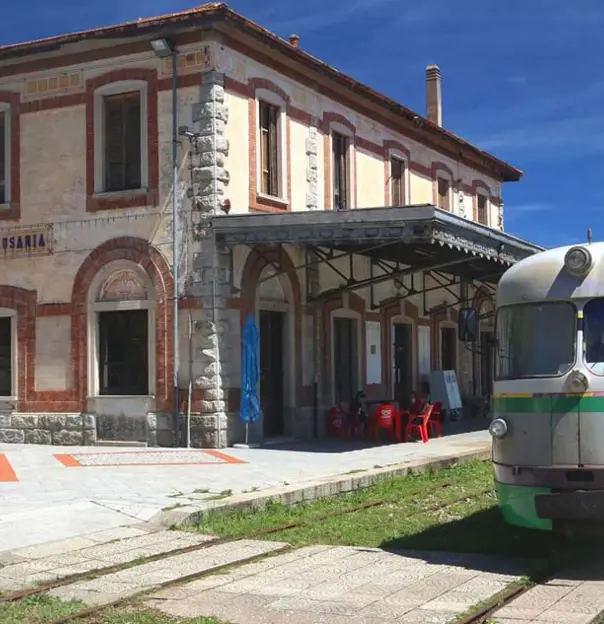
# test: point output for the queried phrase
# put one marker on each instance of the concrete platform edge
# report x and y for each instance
(311, 490)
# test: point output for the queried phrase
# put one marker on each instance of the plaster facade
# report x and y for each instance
(52, 104)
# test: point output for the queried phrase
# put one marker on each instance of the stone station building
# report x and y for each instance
(352, 227)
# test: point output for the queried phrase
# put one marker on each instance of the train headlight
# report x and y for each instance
(498, 428)
(577, 382)
(578, 261)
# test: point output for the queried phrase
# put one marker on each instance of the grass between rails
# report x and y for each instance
(41, 609)
(408, 520)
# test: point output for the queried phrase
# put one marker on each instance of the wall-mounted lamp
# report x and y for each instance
(163, 48)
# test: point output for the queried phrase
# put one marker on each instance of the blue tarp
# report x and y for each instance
(250, 373)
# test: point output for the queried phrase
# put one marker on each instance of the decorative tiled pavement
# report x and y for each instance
(147, 458)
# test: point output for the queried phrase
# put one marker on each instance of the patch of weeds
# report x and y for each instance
(175, 506)
(452, 509)
(220, 495)
(36, 610)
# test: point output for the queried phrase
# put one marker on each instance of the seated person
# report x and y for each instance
(417, 404)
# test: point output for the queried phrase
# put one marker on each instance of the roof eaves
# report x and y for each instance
(127, 29)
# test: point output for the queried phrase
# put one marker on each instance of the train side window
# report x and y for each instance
(535, 340)
(593, 335)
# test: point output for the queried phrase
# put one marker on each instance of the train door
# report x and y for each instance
(591, 408)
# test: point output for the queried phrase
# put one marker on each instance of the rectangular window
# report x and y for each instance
(525, 347)
(482, 209)
(3, 160)
(269, 150)
(123, 353)
(6, 356)
(448, 350)
(443, 193)
(397, 177)
(123, 142)
(340, 171)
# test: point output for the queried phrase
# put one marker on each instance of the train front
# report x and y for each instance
(548, 404)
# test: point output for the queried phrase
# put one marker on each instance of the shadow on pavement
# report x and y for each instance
(333, 445)
(481, 539)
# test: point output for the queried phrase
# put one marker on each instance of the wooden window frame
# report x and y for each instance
(439, 179)
(269, 148)
(400, 182)
(122, 88)
(340, 170)
(123, 101)
(482, 196)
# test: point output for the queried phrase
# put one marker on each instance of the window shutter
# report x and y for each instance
(133, 178)
(114, 152)
(123, 142)
(344, 172)
(273, 152)
(264, 149)
(443, 193)
(482, 209)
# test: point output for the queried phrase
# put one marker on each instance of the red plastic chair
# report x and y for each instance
(383, 418)
(419, 424)
(434, 422)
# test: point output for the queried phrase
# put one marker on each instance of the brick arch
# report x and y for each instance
(23, 302)
(263, 83)
(392, 308)
(329, 118)
(255, 263)
(389, 144)
(14, 101)
(141, 253)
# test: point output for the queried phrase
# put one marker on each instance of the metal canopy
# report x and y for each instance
(401, 242)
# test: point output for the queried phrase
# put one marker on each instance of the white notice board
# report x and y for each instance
(373, 351)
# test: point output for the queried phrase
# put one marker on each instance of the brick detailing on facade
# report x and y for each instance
(210, 278)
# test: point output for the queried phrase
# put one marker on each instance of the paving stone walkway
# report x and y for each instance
(339, 585)
(575, 596)
(26, 567)
(52, 501)
(127, 582)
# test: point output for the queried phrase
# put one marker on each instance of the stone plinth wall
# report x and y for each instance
(61, 429)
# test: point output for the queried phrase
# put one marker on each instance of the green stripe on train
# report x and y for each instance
(547, 405)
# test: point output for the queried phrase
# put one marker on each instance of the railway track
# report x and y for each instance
(483, 614)
(98, 573)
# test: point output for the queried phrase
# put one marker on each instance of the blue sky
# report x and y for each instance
(523, 80)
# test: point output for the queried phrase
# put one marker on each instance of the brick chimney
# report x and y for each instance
(434, 103)
(294, 40)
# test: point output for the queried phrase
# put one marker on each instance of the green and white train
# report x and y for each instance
(548, 399)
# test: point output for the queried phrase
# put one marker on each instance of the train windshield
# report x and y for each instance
(535, 340)
(593, 335)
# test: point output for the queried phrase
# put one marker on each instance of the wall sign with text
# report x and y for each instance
(32, 241)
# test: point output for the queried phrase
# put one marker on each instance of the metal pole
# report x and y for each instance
(175, 354)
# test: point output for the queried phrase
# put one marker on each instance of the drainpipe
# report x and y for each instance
(175, 249)
(164, 49)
